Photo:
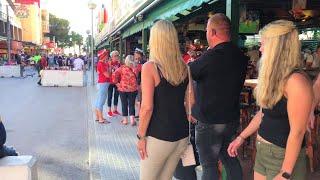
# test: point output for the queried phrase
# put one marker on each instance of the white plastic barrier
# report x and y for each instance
(62, 78)
(10, 71)
(18, 168)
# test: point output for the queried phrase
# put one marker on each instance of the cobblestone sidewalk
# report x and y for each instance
(112, 147)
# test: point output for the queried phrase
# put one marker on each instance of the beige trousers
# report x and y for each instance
(163, 157)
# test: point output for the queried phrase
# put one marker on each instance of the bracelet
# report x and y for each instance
(141, 137)
(241, 138)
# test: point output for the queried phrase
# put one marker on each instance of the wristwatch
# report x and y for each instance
(286, 175)
(140, 137)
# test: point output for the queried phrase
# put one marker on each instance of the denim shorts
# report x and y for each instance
(102, 95)
(269, 159)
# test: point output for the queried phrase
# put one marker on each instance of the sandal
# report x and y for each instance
(104, 122)
(133, 123)
(102, 118)
(124, 122)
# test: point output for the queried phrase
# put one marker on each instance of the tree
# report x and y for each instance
(76, 39)
(79, 41)
(60, 29)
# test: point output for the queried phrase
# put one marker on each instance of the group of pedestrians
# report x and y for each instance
(284, 93)
(116, 79)
(73, 62)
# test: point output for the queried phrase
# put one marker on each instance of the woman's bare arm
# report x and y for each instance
(300, 96)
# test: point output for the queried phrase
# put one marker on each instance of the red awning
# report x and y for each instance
(28, 2)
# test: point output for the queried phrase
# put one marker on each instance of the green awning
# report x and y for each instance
(104, 45)
(2, 38)
(165, 11)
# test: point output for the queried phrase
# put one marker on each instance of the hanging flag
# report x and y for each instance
(105, 15)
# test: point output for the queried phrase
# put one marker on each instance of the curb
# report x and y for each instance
(93, 168)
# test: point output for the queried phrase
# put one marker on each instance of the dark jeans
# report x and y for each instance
(3, 134)
(38, 68)
(113, 88)
(128, 101)
(4, 150)
(188, 172)
(21, 70)
(212, 142)
(185, 173)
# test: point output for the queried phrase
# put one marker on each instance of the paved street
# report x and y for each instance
(49, 123)
(113, 154)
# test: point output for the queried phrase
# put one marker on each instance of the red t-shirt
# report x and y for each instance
(114, 66)
(43, 63)
(101, 68)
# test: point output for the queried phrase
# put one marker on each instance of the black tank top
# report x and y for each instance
(169, 119)
(275, 127)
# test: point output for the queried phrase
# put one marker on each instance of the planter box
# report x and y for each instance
(62, 78)
(18, 167)
(10, 71)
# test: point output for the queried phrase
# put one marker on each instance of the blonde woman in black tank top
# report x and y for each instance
(163, 126)
(285, 96)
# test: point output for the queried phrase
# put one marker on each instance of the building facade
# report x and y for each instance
(129, 24)
(10, 26)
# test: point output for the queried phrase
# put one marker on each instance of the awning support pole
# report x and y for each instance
(144, 40)
(232, 11)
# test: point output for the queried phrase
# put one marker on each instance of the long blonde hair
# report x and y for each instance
(165, 51)
(280, 57)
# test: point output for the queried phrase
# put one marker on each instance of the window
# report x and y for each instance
(4, 27)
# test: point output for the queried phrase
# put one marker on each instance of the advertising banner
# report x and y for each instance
(113, 13)
(22, 11)
(119, 11)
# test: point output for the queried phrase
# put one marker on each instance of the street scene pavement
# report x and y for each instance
(48, 123)
(58, 127)
(113, 154)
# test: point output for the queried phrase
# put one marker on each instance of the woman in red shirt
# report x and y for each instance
(112, 89)
(127, 85)
(103, 84)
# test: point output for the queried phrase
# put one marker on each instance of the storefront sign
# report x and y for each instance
(28, 2)
(16, 45)
(3, 45)
(50, 45)
(3, 51)
(121, 10)
(22, 11)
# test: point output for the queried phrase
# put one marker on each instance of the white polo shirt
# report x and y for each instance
(78, 64)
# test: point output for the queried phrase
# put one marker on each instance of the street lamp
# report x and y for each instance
(88, 44)
(92, 6)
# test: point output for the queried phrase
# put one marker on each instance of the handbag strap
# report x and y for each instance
(189, 103)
